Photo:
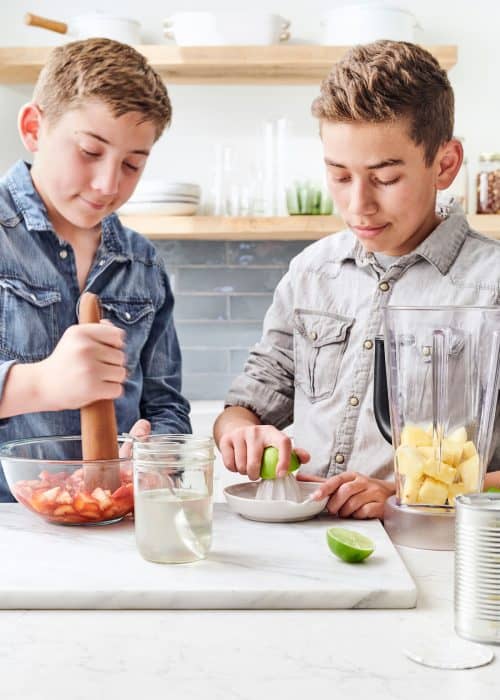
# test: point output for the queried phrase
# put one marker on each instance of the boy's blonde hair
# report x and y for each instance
(389, 80)
(105, 70)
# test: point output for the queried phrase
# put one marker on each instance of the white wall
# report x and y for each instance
(204, 115)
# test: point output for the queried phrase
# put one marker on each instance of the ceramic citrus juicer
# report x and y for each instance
(273, 499)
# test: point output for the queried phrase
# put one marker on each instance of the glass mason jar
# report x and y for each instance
(488, 184)
(173, 490)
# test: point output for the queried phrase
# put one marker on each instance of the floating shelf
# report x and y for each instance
(292, 64)
(242, 228)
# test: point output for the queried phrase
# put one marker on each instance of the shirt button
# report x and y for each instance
(313, 335)
(427, 350)
(63, 254)
(101, 263)
(354, 401)
(127, 316)
(368, 344)
(384, 286)
(32, 297)
(339, 458)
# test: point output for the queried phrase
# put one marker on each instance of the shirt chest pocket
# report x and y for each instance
(28, 320)
(320, 340)
(136, 318)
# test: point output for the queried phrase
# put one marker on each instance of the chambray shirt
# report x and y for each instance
(314, 363)
(39, 296)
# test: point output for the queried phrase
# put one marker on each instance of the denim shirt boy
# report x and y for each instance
(314, 363)
(39, 296)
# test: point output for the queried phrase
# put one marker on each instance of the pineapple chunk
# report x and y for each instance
(428, 452)
(451, 452)
(440, 471)
(469, 450)
(410, 461)
(459, 435)
(455, 490)
(469, 471)
(433, 493)
(410, 490)
(415, 436)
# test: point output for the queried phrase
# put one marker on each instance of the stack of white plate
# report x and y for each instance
(156, 197)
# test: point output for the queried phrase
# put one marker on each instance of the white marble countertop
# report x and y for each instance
(243, 655)
(240, 655)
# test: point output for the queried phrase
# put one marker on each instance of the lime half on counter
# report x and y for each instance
(349, 545)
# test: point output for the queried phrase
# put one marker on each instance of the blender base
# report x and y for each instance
(419, 526)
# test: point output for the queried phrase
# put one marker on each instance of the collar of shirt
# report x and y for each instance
(440, 248)
(30, 206)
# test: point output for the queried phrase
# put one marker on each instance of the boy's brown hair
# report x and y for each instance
(389, 80)
(104, 70)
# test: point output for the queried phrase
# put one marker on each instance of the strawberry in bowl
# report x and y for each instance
(47, 475)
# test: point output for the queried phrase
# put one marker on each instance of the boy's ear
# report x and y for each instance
(28, 123)
(448, 160)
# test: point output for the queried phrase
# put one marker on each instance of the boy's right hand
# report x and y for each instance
(242, 449)
(87, 365)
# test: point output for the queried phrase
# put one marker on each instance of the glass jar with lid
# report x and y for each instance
(488, 184)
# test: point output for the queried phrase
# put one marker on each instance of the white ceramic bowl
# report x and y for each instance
(241, 499)
(226, 28)
(363, 23)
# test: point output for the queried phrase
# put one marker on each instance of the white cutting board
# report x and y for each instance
(251, 566)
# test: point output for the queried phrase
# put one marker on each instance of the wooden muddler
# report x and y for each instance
(98, 423)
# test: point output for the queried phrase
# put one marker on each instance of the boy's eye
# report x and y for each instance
(389, 182)
(90, 153)
(134, 168)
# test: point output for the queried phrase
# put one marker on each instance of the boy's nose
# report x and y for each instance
(361, 201)
(107, 181)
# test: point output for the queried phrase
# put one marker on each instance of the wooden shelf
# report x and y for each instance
(283, 64)
(241, 228)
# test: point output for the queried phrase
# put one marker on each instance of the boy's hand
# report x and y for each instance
(352, 495)
(242, 449)
(87, 365)
(141, 428)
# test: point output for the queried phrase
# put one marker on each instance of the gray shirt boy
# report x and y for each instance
(314, 363)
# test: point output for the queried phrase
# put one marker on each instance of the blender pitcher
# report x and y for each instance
(442, 374)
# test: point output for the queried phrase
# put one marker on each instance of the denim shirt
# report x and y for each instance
(314, 363)
(39, 295)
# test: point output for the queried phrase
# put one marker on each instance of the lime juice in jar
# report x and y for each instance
(173, 484)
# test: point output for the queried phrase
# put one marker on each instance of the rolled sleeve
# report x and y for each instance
(4, 371)
(266, 385)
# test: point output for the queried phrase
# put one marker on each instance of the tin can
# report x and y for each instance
(477, 567)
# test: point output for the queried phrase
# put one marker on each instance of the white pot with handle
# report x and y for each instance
(92, 24)
(226, 28)
(364, 23)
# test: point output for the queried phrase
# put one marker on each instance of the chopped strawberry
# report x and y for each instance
(64, 497)
(64, 510)
(102, 497)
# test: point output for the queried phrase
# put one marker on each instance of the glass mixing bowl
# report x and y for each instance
(50, 477)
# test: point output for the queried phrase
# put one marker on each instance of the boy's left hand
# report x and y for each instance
(352, 495)
(141, 428)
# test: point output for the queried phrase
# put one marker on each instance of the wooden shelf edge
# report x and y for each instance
(225, 228)
(277, 64)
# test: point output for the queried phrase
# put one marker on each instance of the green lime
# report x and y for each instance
(349, 545)
(270, 460)
(493, 489)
